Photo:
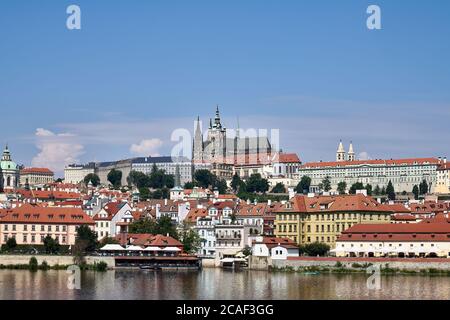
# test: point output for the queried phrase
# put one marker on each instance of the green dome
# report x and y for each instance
(8, 165)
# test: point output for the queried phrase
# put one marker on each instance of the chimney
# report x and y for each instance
(445, 160)
(165, 202)
(269, 202)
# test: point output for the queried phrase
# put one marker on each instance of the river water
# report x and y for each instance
(216, 284)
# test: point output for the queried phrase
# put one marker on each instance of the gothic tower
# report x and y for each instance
(351, 153)
(216, 138)
(197, 151)
(340, 154)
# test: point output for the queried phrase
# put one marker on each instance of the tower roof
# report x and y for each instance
(217, 123)
(350, 149)
(341, 147)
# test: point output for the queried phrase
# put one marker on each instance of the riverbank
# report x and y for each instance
(52, 261)
(354, 265)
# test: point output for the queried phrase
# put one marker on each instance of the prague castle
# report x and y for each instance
(218, 148)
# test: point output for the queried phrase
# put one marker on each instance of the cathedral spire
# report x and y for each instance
(217, 123)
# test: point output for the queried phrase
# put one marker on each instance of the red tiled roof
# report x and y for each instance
(437, 229)
(272, 242)
(48, 215)
(403, 217)
(288, 158)
(370, 162)
(259, 209)
(196, 213)
(47, 195)
(341, 203)
(36, 170)
(111, 208)
(149, 240)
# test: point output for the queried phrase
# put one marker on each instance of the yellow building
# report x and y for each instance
(443, 178)
(323, 218)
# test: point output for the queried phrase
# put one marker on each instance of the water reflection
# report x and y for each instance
(215, 284)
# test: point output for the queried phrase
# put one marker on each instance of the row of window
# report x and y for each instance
(32, 237)
(332, 217)
(13, 227)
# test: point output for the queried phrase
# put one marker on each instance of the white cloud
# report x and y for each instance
(56, 150)
(147, 147)
(364, 156)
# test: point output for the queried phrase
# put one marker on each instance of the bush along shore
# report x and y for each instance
(339, 268)
(34, 266)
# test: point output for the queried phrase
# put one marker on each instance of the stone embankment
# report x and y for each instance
(353, 263)
(52, 260)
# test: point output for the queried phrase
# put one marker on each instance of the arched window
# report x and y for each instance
(8, 182)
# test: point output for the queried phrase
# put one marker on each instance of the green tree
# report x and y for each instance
(356, 186)
(235, 182)
(169, 181)
(191, 241)
(383, 191)
(390, 191)
(165, 226)
(325, 185)
(257, 184)
(221, 186)
(163, 193)
(279, 188)
(115, 178)
(303, 186)
(92, 177)
(143, 226)
(10, 244)
(33, 264)
(189, 185)
(342, 187)
(416, 191)
(247, 251)
(423, 187)
(138, 179)
(203, 178)
(377, 190)
(51, 246)
(369, 189)
(314, 249)
(144, 194)
(86, 239)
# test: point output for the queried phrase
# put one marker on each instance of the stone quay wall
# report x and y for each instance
(52, 260)
(403, 264)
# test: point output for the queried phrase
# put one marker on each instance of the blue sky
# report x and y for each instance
(137, 70)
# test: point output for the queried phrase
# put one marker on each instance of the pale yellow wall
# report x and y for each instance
(322, 227)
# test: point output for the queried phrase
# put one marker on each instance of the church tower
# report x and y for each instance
(340, 154)
(216, 138)
(351, 153)
(9, 171)
(197, 151)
